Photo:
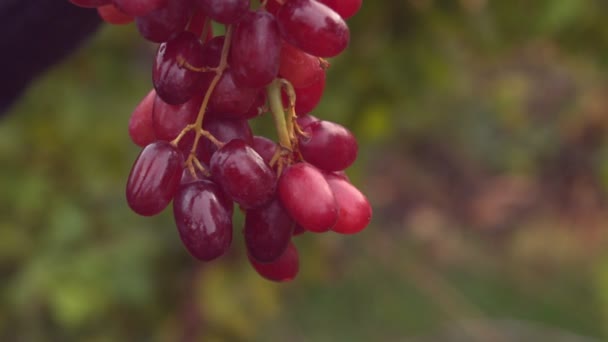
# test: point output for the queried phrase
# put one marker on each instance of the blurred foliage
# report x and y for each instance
(481, 127)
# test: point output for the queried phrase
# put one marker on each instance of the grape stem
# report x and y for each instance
(192, 162)
(273, 92)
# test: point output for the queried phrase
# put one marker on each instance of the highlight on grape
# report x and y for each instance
(199, 151)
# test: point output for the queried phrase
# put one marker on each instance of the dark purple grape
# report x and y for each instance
(176, 84)
(283, 269)
(224, 11)
(313, 27)
(203, 216)
(242, 173)
(255, 50)
(154, 178)
(165, 23)
(268, 230)
(307, 197)
(328, 146)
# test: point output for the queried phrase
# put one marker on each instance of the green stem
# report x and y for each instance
(273, 92)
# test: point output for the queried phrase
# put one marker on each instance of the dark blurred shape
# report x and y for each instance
(36, 34)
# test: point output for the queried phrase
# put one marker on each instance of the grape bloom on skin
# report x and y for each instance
(198, 148)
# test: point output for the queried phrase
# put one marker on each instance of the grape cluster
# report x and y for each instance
(198, 148)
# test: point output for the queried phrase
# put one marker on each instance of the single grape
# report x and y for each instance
(283, 269)
(136, 8)
(170, 120)
(204, 219)
(154, 178)
(265, 147)
(313, 27)
(345, 8)
(112, 15)
(298, 67)
(242, 173)
(224, 11)
(90, 3)
(354, 210)
(328, 146)
(307, 197)
(255, 50)
(165, 23)
(268, 231)
(225, 131)
(174, 83)
(141, 128)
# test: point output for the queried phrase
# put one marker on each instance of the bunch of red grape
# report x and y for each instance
(199, 150)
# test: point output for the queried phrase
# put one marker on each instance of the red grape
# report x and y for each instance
(255, 50)
(242, 173)
(265, 147)
(313, 27)
(307, 197)
(204, 219)
(268, 230)
(225, 131)
(154, 178)
(231, 99)
(283, 269)
(169, 120)
(298, 67)
(354, 210)
(328, 146)
(141, 128)
(308, 98)
(174, 83)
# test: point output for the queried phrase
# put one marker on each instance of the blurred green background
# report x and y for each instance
(482, 130)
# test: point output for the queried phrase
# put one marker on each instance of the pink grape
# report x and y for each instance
(141, 128)
(354, 210)
(307, 197)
